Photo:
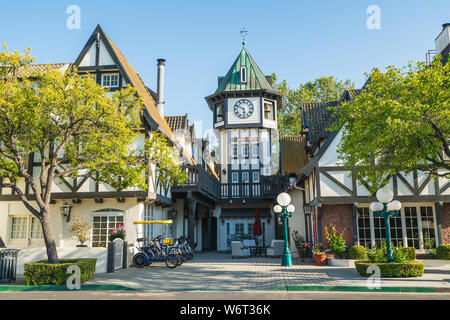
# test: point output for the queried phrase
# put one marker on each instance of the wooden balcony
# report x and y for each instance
(200, 180)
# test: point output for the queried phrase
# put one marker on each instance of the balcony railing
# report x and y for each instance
(201, 180)
(269, 187)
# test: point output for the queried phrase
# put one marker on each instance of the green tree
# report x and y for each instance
(74, 126)
(399, 123)
(321, 89)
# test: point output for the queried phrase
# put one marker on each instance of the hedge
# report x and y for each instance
(357, 253)
(43, 273)
(410, 252)
(392, 270)
(443, 252)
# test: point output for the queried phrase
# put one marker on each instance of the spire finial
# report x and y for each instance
(243, 34)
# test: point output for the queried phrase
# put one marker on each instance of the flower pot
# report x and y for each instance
(320, 259)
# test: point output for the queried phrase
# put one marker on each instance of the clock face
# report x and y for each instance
(243, 108)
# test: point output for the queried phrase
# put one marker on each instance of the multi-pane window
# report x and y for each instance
(269, 110)
(364, 234)
(255, 150)
(245, 178)
(239, 228)
(379, 230)
(255, 176)
(36, 229)
(219, 112)
(234, 177)
(245, 151)
(103, 226)
(412, 228)
(235, 152)
(250, 228)
(427, 220)
(19, 228)
(110, 80)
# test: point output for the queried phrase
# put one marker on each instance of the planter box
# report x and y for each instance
(434, 263)
(347, 263)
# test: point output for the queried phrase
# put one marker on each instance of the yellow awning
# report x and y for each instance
(154, 222)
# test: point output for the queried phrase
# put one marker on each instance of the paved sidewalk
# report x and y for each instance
(216, 271)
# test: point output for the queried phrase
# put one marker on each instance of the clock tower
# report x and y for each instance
(244, 109)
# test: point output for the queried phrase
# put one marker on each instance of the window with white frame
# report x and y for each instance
(103, 225)
(239, 228)
(110, 80)
(245, 177)
(255, 176)
(250, 228)
(427, 221)
(234, 177)
(245, 150)
(19, 228)
(28, 227)
(255, 151)
(412, 227)
(235, 151)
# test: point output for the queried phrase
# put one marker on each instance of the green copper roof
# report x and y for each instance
(255, 78)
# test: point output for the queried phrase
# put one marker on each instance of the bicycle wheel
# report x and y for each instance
(140, 260)
(171, 261)
(180, 259)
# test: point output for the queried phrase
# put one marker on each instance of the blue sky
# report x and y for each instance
(298, 40)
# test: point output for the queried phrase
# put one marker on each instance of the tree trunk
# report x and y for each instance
(50, 244)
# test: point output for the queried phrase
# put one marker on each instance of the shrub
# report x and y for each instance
(43, 273)
(410, 252)
(392, 270)
(443, 252)
(358, 253)
(335, 241)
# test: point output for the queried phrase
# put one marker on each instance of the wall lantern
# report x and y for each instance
(223, 221)
(307, 210)
(173, 214)
(224, 172)
(65, 210)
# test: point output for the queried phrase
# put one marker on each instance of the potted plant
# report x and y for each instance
(320, 257)
(118, 232)
(80, 229)
(336, 242)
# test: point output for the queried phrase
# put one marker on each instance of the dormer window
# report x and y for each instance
(110, 80)
(243, 74)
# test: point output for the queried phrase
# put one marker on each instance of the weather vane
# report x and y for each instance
(243, 34)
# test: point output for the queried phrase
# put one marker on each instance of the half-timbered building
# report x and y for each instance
(334, 196)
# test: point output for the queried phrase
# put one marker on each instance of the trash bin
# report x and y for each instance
(8, 264)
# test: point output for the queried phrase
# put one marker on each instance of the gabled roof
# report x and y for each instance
(256, 80)
(178, 122)
(31, 70)
(131, 77)
(293, 154)
(317, 117)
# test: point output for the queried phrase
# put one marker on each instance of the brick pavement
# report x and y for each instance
(216, 271)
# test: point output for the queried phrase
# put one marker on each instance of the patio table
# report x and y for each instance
(258, 251)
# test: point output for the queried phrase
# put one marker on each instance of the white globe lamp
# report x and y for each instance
(394, 205)
(283, 199)
(277, 209)
(385, 195)
(376, 206)
(290, 208)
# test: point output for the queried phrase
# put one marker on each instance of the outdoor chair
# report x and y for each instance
(276, 248)
(249, 243)
(238, 250)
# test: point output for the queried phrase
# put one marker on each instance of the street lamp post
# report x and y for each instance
(386, 208)
(284, 210)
